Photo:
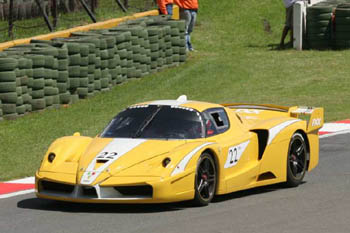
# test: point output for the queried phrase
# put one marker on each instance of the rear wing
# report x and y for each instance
(269, 107)
(313, 116)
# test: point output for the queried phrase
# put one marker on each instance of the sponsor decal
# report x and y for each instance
(249, 111)
(316, 122)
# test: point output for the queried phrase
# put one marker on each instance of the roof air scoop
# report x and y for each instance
(182, 99)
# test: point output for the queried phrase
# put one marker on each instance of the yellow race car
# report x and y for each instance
(175, 150)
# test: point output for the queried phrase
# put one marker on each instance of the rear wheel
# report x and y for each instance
(205, 180)
(297, 160)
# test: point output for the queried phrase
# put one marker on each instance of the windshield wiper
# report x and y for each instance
(146, 123)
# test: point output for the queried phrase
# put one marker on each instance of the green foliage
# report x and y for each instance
(236, 62)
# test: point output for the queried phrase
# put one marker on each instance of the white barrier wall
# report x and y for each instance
(299, 21)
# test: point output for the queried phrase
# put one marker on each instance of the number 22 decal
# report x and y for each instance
(235, 153)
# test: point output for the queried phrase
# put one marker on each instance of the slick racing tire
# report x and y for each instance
(205, 180)
(297, 160)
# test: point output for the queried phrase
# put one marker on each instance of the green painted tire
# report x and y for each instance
(48, 100)
(82, 92)
(63, 64)
(8, 64)
(104, 82)
(7, 76)
(62, 87)
(74, 83)
(8, 108)
(18, 90)
(50, 91)
(342, 12)
(183, 58)
(38, 104)
(83, 82)
(74, 71)
(21, 109)
(97, 84)
(84, 71)
(63, 76)
(65, 98)
(319, 17)
(37, 94)
(7, 87)
(38, 84)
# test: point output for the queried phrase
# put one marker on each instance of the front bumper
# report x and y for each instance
(118, 189)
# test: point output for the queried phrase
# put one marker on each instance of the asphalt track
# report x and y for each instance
(320, 204)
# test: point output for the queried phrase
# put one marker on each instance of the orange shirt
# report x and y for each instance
(187, 4)
(162, 5)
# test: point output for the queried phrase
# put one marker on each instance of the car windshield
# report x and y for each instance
(156, 122)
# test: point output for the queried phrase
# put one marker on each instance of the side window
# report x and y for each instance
(216, 121)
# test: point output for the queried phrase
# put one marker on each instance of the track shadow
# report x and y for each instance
(60, 206)
(250, 192)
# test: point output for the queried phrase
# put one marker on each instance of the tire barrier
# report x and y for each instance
(47, 73)
(327, 25)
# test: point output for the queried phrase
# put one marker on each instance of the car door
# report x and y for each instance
(238, 157)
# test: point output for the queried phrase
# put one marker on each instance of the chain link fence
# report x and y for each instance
(19, 14)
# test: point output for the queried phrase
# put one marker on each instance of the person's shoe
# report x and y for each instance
(192, 50)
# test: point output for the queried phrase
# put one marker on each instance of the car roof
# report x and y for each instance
(183, 102)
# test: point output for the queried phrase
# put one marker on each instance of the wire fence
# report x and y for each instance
(20, 16)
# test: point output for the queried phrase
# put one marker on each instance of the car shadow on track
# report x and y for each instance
(60, 206)
(250, 192)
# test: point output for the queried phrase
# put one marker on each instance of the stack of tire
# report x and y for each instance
(178, 41)
(342, 26)
(91, 64)
(24, 77)
(8, 87)
(45, 74)
(154, 35)
(49, 72)
(37, 82)
(94, 57)
(23, 93)
(119, 72)
(134, 51)
(105, 78)
(124, 50)
(63, 75)
(73, 69)
(83, 89)
(319, 26)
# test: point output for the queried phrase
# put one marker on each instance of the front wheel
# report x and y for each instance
(297, 160)
(205, 180)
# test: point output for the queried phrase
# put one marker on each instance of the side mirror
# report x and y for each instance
(76, 134)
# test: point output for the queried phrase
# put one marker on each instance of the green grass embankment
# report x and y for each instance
(235, 62)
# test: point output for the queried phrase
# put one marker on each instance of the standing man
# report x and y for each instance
(165, 7)
(188, 12)
(288, 26)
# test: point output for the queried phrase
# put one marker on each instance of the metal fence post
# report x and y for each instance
(87, 9)
(10, 19)
(54, 13)
(46, 18)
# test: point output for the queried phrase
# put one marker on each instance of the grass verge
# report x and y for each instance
(236, 62)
